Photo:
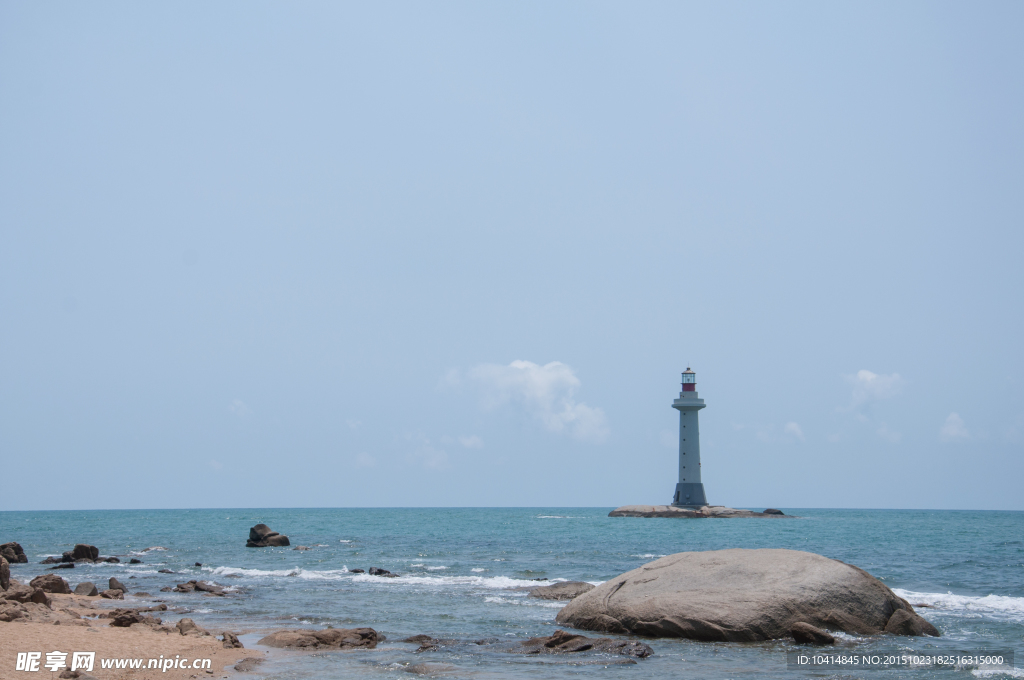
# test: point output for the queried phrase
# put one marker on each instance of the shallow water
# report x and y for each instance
(457, 566)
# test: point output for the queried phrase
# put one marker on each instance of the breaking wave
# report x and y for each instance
(1000, 607)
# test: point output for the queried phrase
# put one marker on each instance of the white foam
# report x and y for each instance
(307, 574)
(344, 540)
(495, 582)
(477, 569)
(648, 556)
(1001, 607)
(558, 517)
(998, 673)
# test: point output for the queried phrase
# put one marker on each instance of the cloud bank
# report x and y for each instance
(547, 392)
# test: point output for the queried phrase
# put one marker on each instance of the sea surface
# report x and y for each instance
(459, 566)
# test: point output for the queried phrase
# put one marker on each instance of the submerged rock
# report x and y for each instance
(806, 634)
(569, 643)
(261, 536)
(741, 595)
(377, 571)
(566, 590)
(248, 664)
(330, 638)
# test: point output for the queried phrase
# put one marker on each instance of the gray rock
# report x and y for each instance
(166, 571)
(135, 560)
(114, 584)
(113, 594)
(736, 595)
(568, 643)
(64, 565)
(330, 638)
(566, 590)
(261, 536)
(51, 583)
(248, 664)
(706, 512)
(5, 573)
(806, 634)
(25, 594)
(377, 571)
(772, 511)
(86, 588)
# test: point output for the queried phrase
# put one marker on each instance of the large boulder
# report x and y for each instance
(25, 594)
(261, 536)
(114, 584)
(565, 590)
(5, 574)
(51, 583)
(13, 553)
(740, 595)
(330, 638)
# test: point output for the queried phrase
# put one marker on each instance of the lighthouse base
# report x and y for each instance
(689, 495)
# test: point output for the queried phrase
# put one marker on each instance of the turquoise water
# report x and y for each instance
(458, 566)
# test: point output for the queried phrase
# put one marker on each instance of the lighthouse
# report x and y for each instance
(689, 490)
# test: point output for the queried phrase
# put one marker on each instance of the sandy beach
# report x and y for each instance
(71, 624)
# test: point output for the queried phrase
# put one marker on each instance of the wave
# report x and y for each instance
(559, 517)
(998, 673)
(648, 556)
(1001, 607)
(490, 582)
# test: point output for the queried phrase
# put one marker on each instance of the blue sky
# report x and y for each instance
(437, 254)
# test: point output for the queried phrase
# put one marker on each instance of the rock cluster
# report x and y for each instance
(329, 638)
(706, 512)
(31, 603)
(82, 553)
(199, 586)
(568, 643)
(741, 595)
(13, 553)
(261, 536)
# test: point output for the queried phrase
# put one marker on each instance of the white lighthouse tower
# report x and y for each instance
(689, 490)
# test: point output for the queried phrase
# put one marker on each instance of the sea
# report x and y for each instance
(460, 570)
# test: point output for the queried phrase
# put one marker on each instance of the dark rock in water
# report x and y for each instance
(330, 638)
(134, 560)
(64, 565)
(377, 571)
(772, 511)
(431, 669)
(740, 595)
(13, 553)
(231, 641)
(806, 634)
(357, 571)
(248, 664)
(166, 589)
(568, 643)
(566, 590)
(207, 587)
(114, 584)
(51, 560)
(186, 587)
(199, 564)
(261, 536)
(903, 622)
(112, 594)
(301, 547)
(86, 588)
(166, 571)
(418, 639)
(5, 573)
(112, 560)
(51, 583)
(83, 550)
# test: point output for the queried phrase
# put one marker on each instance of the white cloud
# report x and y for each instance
(545, 391)
(426, 454)
(868, 387)
(353, 424)
(216, 464)
(889, 435)
(953, 428)
(239, 408)
(365, 460)
(471, 442)
(794, 429)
